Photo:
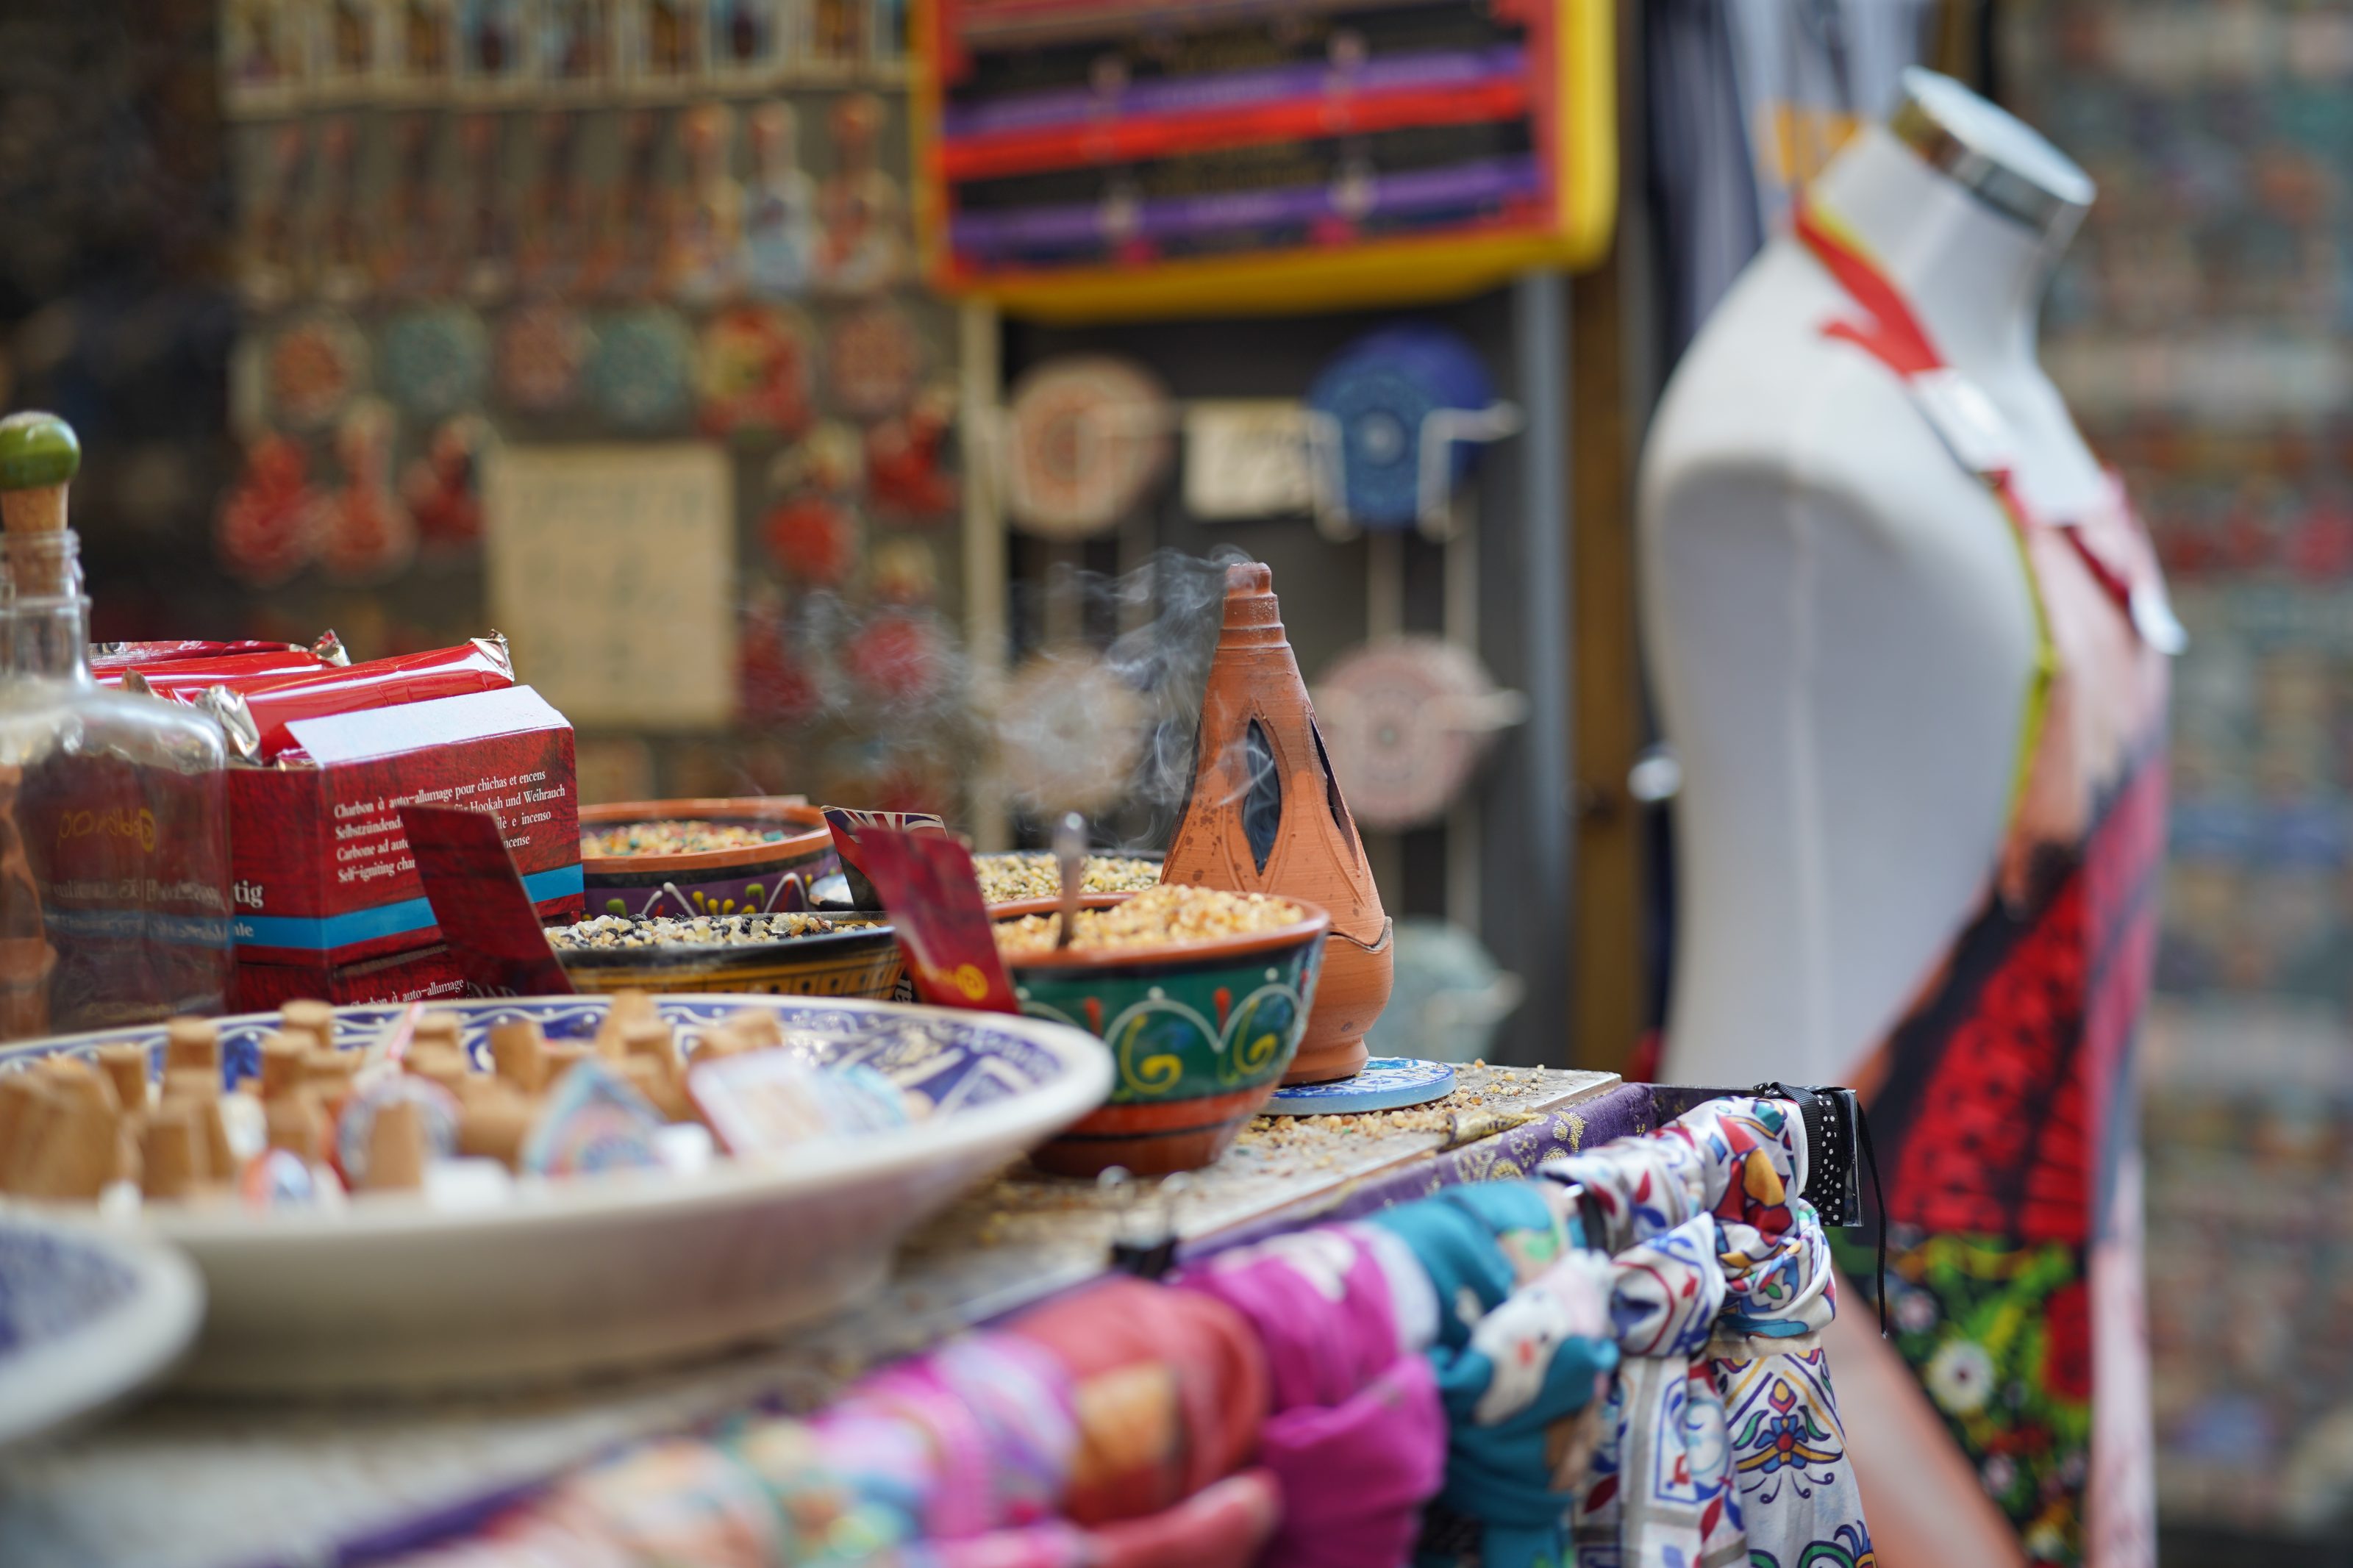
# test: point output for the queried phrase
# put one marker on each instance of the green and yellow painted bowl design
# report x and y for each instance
(1201, 1034)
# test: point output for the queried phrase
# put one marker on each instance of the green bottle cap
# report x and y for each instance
(36, 450)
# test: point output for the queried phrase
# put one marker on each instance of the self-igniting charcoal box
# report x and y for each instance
(327, 903)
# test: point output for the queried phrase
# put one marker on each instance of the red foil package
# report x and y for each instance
(107, 657)
(257, 715)
(182, 679)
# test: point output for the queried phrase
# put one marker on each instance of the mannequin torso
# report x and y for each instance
(1842, 631)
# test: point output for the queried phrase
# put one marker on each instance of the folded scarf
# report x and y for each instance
(1169, 1391)
(1721, 1443)
(1357, 1439)
(1517, 1396)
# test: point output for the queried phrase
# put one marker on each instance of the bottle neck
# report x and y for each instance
(44, 617)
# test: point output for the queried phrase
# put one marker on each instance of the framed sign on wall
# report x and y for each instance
(1100, 158)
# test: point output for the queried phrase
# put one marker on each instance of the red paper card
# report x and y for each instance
(847, 826)
(933, 895)
(479, 899)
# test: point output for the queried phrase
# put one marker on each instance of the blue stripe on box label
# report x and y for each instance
(322, 933)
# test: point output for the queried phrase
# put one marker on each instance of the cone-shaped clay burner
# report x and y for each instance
(1266, 816)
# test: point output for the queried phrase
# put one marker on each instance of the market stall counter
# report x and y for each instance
(191, 1482)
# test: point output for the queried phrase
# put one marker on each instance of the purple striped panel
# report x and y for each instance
(1079, 106)
(993, 235)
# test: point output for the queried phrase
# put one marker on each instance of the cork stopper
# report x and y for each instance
(173, 1155)
(658, 1081)
(627, 1007)
(18, 1091)
(518, 1054)
(38, 459)
(494, 1126)
(79, 1150)
(294, 1122)
(438, 1029)
(724, 1040)
(212, 1127)
(759, 1031)
(190, 1083)
(330, 1071)
(126, 1066)
(283, 1062)
(650, 1040)
(81, 1083)
(316, 1019)
(439, 1063)
(396, 1149)
(28, 1103)
(192, 1043)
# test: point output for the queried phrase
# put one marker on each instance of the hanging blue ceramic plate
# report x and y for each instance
(1377, 391)
(1388, 1083)
(641, 377)
(86, 1317)
(435, 361)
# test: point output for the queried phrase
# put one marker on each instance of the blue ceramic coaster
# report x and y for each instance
(1388, 1083)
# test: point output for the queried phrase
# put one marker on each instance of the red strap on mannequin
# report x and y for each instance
(1893, 335)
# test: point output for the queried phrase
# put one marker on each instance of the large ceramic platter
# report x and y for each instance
(594, 1272)
(86, 1317)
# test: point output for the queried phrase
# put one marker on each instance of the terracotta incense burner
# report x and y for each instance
(1265, 817)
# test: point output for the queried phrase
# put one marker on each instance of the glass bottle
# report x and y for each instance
(114, 869)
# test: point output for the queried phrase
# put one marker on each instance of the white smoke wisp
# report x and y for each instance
(1171, 608)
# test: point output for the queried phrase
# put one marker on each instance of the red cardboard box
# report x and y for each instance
(323, 883)
(430, 975)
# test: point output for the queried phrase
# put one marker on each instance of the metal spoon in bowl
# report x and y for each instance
(1070, 857)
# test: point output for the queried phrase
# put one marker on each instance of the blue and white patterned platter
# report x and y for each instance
(86, 1317)
(593, 1272)
(1386, 1083)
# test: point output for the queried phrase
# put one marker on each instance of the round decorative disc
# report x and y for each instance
(542, 349)
(873, 360)
(435, 361)
(1089, 436)
(1388, 1083)
(316, 367)
(753, 371)
(1405, 721)
(641, 377)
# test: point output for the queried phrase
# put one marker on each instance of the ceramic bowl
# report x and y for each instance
(87, 1316)
(866, 963)
(756, 879)
(1201, 1034)
(594, 1272)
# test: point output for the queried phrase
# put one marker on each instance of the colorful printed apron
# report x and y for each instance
(2003, 1105)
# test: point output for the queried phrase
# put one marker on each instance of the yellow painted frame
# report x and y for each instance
(1401, 271)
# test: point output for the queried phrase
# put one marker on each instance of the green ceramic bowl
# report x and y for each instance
(1201, 1034)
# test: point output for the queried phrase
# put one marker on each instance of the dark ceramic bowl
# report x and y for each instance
(865, 963)
(758, 879)
(1201, 1034)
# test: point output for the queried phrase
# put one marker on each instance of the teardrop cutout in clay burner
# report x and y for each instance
(1266, 816)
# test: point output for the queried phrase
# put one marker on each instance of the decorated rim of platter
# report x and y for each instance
(1215, 950)
(1031, 1106)
(813, 838)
